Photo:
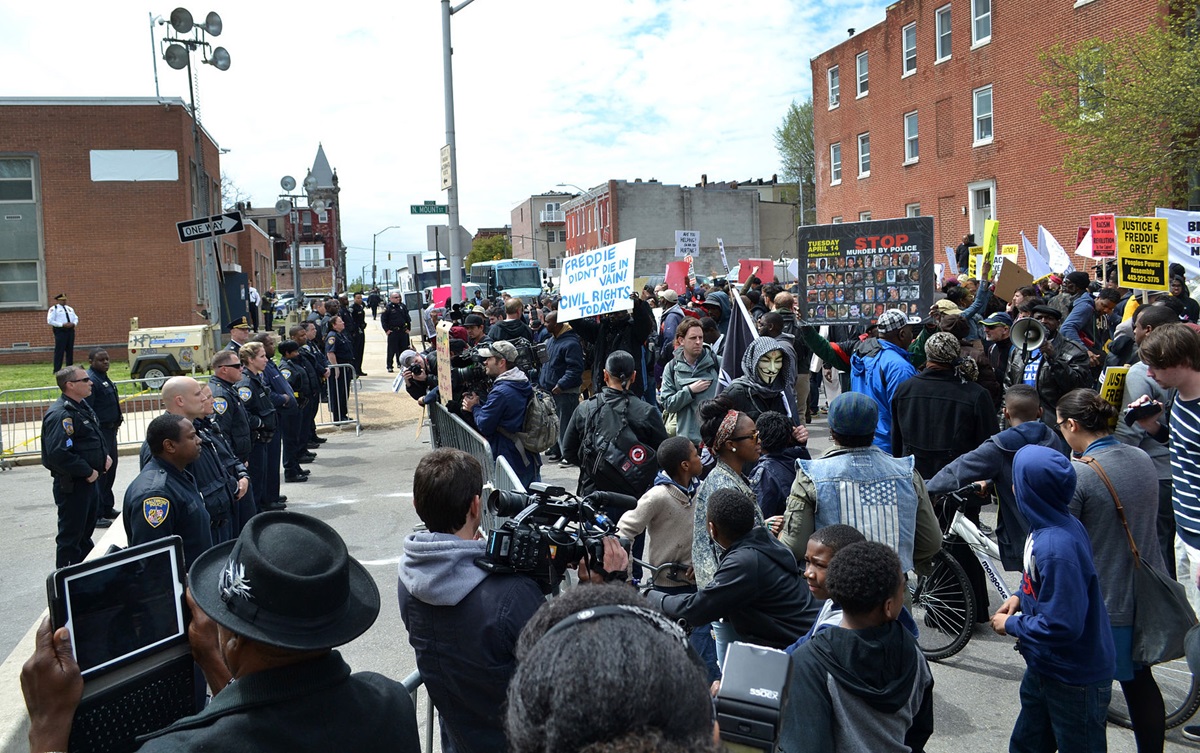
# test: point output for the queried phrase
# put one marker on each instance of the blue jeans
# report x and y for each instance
(1057, 716)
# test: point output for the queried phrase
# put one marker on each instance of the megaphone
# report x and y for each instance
(1028, 334)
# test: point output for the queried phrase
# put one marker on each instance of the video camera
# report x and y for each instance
(473, 377)
(548, 531)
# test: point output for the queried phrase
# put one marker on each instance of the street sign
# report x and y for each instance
(445, 167)
(429, 208)
(208, 227)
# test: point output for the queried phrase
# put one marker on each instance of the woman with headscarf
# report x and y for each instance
(1179, 289)
(767, 373)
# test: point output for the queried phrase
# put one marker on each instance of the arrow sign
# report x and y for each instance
(209, 227)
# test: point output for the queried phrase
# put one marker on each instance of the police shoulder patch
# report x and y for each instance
(331, 340)
(287, 373)
(220, 405)
(68, 425)
(245, 394)
(155, 510)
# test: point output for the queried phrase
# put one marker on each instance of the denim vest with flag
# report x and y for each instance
(870, 490)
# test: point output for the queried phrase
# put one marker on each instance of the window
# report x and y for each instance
(552, 206)
(864, 216)
(911, 152)
(272, 226)
(943, 34)
(1091, 91)
(909, 37)
(861, 63)
(864, 155)
(835, 87)
(912, 210)
(835, 164)
(983, 116)
(981, 22)
(312, 256)
(20, 234)
(836, 221)
(323, 216)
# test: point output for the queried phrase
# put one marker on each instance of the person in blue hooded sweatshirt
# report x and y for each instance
(503, 413)
(878, 366)
(1058, 616)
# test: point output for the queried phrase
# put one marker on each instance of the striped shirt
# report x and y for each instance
(1185, 473)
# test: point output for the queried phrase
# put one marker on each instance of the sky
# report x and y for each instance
(545, 92)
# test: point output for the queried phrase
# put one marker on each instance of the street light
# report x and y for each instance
(381, 232)
(178, 54)
(599, 236)
(287, 205)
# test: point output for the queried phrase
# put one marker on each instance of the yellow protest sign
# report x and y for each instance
(1113, 389)
(1010, 251)
(991, 232)
(975, 262)
(1142, 253)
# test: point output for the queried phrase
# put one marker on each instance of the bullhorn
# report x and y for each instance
(1028, 334)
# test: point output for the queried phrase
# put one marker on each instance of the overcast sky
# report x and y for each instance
(546, 92)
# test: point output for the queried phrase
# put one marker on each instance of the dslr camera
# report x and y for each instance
(473, 377)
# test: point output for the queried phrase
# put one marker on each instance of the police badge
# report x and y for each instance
(220, 405)
(245, 394)
(155, 510)
(68, 425)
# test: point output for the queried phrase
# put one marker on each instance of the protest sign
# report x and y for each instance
(991, 234)
(446, 390)
(677, 276)
(763, 269)
(1112, 389)
(975, 262)
(851, 273)
(951, 261)
(724, 261)
(440, 296)
(691, 265)
(1010, 277)
(1142, 257)
(1104, 236)
(687, 242)
(1183, 238)
(1010, 251)
(597, 282)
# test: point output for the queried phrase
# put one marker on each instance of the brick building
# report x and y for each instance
(934, 112)
(90, 191)
(539, 229)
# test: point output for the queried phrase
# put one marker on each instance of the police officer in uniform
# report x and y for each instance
(74, 452)
(239, 333)
(315, 372)
(315, 347)
(396, 324)
(164, 499)
(228, 410)
(107, 405)
(254, 393)
(287, 414)
(242, 501)
(339, 350)
(299, 378)
(62, 320)
(358, 312)
(268, 309)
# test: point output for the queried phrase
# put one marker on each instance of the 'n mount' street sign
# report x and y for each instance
(208, 227)
(429, 208)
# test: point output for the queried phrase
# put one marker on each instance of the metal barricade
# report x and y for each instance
(448, 430)
(412, 684)
(506, 478)
(21, 413)
(341, 382)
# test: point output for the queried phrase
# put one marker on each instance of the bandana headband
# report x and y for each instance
(728, 424)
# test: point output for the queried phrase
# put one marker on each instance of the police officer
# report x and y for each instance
(74, 452)
(107, 405)
(287, 413)
(229, 412)
(358, 312)
(299, 377)
(62, 320)
(242, 508)
(315, 373)
(339, 351)
(239, 333)
(396, 323)
(254, 393)
(313, 345)
(164, 499)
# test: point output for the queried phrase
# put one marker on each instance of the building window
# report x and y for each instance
(864, 155)
(835, 164)
(983, 115)
(272, 226)
(323, 216)
(912, 210)
(835, 87)
(864, 216)
(911, 153)
(943, 34)
(312, 256)
(981, 22)
(861, 65)
(20, 234)
(836, 221)
(1091, 92)
(909, 38)
(552, 206)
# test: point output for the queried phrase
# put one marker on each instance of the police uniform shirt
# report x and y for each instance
(104, 400)
(61, 314)
(165, 501)
(358, 312)
(256, 396)
(338, 344)
(351, 324)
(281, 391)
(318, 355)
(233, 347)
(72, 446)
(298, 378)
(230, 414)
(308, 362)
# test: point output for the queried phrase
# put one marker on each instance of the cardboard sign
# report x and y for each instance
(1104, 236)
(1113, 389)
(676, 277)
(1011, 277)
(445, 388)
(766, 270)
(1142, 256)
(597, 282)
(687, 242)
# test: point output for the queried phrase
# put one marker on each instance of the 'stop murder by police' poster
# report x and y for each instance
(851, 273)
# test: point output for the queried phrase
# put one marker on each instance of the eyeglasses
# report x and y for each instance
(752, 435)
(1059, 425)
(85, 379)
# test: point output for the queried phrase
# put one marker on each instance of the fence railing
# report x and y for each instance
(448, 430)
(341, 377)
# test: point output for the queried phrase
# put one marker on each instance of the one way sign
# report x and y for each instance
(221, 224)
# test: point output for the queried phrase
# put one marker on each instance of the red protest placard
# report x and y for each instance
(1104, 236)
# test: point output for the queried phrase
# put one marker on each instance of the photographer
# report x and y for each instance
(503, 413)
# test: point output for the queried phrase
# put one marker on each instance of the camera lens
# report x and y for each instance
(506, 504)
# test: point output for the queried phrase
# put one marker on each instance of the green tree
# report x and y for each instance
(1129, 110)
(491, 248)
(794, 140)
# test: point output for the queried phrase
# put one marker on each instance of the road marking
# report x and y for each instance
(314, 505)
(389, 561)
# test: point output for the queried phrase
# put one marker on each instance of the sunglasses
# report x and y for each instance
(85, 379)
(752, 435)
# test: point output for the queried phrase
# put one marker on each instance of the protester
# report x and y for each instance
(502, 414)
(562, 375)
(822, 546)
(626, 332)
(879, 365)
(775, 471)
(689, 378)
(664, 513)
(1055, 368)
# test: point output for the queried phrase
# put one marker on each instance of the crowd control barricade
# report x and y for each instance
(344, 373)
(448, 430)
(22, 410)
(412, 684)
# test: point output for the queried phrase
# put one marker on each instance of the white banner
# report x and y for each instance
(951, 261)
(597, 282)
(687, 242)
(1053, 250)
(724, 260)
(1035, 263)
(1183, 238)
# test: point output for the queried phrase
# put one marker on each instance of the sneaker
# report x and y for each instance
(553, 457)
(564, 463)
(1191, 732)
(103, 522)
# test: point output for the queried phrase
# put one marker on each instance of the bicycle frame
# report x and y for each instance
(984, 549)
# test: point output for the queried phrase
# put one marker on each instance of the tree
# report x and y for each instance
(231, 193)
(490, 248)
(1129, 110)
(794, 140)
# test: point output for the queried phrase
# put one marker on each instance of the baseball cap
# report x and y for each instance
(853, 414)
(668, 295)
(947, 306)
(473, 320)
(998, 319)
(501, 349)
(892, 320)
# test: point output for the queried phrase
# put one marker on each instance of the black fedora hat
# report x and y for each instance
(286, 581)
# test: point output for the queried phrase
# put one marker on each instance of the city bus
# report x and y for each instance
(521, 278)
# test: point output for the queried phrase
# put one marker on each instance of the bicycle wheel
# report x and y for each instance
(943, 606)
(1180, 691)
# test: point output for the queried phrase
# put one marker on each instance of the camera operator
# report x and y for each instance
(504, 409)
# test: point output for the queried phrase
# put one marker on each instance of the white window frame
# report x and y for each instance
(312, 256)
(976, 17)
(909, 53)
(862, 71)
(976, 225)
(864, 216)
(835, 164)
(864, 173)
(976, 116)
(912, 147)
(835, 220)
(833, 82)
(938, 34)
(912, 210)
(38, 262)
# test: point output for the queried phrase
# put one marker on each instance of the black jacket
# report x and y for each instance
(510, 329)
(395, 316)
(72, 446)
(230, 414)
(607, 408)
(254, 393)
(629, 334)
(936, 417)
(757, 587)
(299, 378)
(104, 400)
(164, 501)
(210, 473)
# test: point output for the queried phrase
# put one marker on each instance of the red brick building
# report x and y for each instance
(935, 112)
(90, 191)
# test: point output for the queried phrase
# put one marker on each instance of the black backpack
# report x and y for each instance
(616, 460)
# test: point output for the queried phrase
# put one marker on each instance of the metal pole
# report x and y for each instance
(154, 55)
(295, 264)
(452, 192)
(212, 282)
(373, 239)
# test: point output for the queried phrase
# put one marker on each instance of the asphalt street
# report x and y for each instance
(362, 486)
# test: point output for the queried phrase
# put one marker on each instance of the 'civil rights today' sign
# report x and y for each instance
(597, 282)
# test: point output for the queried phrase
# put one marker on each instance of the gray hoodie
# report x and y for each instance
(439, 568)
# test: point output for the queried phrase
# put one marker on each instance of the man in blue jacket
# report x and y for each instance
(878, 366)
(1058, 616)
(503, 413)
(562, 375)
